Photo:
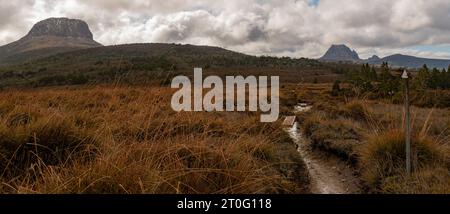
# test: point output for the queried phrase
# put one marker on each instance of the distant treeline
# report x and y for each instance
(66, 69)
(383, 82)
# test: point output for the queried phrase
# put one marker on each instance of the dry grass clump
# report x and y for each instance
(383, 162)
(128, 140)
(437, 120)
(190, 166)
(356, 109)
(29, 140)
(429, 180)
(339, 136)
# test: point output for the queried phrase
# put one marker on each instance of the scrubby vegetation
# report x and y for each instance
(367, 134)
(143, 64)
(106, 139)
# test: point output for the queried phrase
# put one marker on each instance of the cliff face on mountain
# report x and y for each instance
(50, 36)
(61, 27)
(340, 53)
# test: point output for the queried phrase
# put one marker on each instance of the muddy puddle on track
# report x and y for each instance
(328, 175)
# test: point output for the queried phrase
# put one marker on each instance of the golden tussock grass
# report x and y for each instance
(382, 159)
(128, 140)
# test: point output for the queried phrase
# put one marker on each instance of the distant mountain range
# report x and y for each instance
(342, 53)
(48, 37)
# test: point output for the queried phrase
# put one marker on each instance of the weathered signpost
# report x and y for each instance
(405, 76)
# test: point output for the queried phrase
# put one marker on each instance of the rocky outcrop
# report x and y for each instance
(61, 27)
(47, 37)
(340, 53)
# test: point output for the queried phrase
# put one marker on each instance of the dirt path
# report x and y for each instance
(328, 174)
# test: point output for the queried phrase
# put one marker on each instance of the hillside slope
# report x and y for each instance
(137, 62)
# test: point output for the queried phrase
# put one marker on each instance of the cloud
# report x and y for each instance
(262, 27)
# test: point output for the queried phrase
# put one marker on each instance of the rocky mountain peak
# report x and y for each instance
(374, 57)
(340, 53)
(48, 37)
(61, 27)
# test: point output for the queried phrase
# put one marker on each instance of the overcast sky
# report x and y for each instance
(296, 28)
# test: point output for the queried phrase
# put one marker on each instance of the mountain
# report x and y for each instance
(48, 37)
(340, 53)
(399, 60)
(374, 58)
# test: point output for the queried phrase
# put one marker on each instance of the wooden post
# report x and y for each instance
(407, 124)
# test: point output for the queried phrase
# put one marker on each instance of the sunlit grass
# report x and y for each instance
(107, 139)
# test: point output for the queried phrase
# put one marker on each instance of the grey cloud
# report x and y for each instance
(256, 33)
(273, 27)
